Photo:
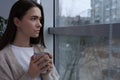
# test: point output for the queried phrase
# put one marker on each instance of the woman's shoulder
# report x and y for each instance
(39, 47)
(5, 50)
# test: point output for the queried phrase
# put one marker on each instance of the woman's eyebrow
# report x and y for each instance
(36, 16)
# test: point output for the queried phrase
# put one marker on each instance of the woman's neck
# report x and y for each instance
(21, 41)
(21, 44)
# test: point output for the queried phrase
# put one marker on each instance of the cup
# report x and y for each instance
(36, 55)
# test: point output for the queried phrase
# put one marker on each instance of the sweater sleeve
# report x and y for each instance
(25, 77)
(7, 74)
(53, 75)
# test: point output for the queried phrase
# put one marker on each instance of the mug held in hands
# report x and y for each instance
(36, 55)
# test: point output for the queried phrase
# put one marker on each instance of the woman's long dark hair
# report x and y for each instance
(18, 10)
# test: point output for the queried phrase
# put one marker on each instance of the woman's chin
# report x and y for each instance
(35, 36)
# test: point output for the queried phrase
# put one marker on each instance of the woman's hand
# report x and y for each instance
(50, 65)
(40, 64)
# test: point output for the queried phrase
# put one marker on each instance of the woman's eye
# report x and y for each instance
(33, 19)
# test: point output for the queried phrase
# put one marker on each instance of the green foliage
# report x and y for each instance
(3, 22)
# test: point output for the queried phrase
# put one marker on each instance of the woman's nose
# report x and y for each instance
(39, 24)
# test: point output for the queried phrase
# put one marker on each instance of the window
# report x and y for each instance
(82, 51)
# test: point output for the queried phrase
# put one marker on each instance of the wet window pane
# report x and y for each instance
(87, 57)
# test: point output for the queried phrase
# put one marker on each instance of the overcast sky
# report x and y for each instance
(75, 7)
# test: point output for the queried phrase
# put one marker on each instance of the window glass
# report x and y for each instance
(84, 12)
(81, 56)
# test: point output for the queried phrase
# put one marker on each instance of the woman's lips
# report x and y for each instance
(37, 31)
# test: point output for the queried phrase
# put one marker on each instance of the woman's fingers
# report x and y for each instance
(42, 59)
(42, 63)
(46, 66)
(50, 56)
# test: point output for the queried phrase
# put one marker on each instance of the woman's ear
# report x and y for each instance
(17, 22)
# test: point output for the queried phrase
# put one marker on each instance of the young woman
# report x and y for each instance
(22, 38)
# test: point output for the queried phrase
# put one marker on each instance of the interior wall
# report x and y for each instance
(5, 7)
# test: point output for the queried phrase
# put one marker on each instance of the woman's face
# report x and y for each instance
(30, 24)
